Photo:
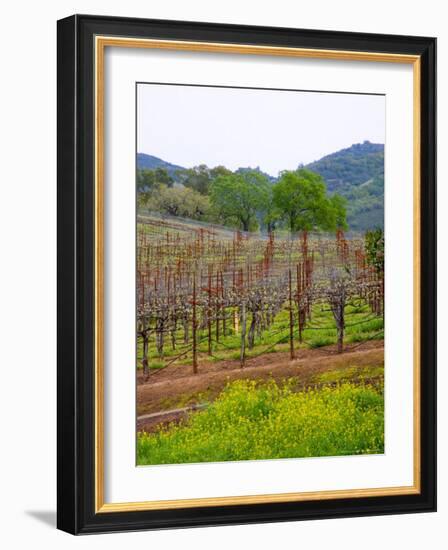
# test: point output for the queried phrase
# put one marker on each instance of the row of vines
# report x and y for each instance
(198, 284)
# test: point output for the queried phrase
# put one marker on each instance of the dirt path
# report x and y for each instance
(175, 387)
(148, 422)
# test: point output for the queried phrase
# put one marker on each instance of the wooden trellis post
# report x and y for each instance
(145, 362)
(209, 313)
(291, 321)
(299, 298)
(243, 334)
(195, 351)
(224, 327)
(217, 306)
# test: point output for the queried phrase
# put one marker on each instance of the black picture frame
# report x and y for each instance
(76, 256)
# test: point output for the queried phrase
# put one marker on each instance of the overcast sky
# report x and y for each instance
(275, 130)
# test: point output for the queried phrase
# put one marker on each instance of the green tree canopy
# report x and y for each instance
(269, 213)
(374, 247)
(148, 180)
(302, 201)
(200, 177)
(238, 197)
(180, 201)
(338, 205)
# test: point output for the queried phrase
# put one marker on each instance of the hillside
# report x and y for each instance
(149, 162)
(352, 166)
(357, 173)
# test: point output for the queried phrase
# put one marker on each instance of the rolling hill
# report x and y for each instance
(357, 173)
(149, 162)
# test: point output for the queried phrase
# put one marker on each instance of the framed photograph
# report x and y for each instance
(246, 274)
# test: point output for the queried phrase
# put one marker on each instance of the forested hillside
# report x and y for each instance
(357, 173)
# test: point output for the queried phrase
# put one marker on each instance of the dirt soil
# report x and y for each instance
(176, 387)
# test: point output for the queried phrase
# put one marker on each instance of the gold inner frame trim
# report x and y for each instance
(101, 42)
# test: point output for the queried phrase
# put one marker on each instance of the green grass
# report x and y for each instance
(319, 341)
(349, 374)
(186, 399)
(250, 420)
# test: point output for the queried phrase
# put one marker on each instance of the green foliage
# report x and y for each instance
(357, 173)
(270, 215)
(200, 177)
(179, 201)
(252, 421)
(238, 197)
(374, 247)
(242, 170)
(320, 341)
(352, 373)
(352, 166)
(149, 180)
(338, 206)
(301, 198)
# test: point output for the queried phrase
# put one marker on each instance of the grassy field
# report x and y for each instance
(251, 420)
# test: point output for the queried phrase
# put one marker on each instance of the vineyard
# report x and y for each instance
(205, 292)
(215, 306)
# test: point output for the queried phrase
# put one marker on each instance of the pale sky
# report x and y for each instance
(275, 130)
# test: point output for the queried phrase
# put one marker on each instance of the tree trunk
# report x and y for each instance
(340, 325)
(173, 334)
(340, 339)
(243, 335)
(186, 335)
(291, 321)
(301, 322)
(145, 354)
(235, 321)
(160, 336)
(251, 334)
